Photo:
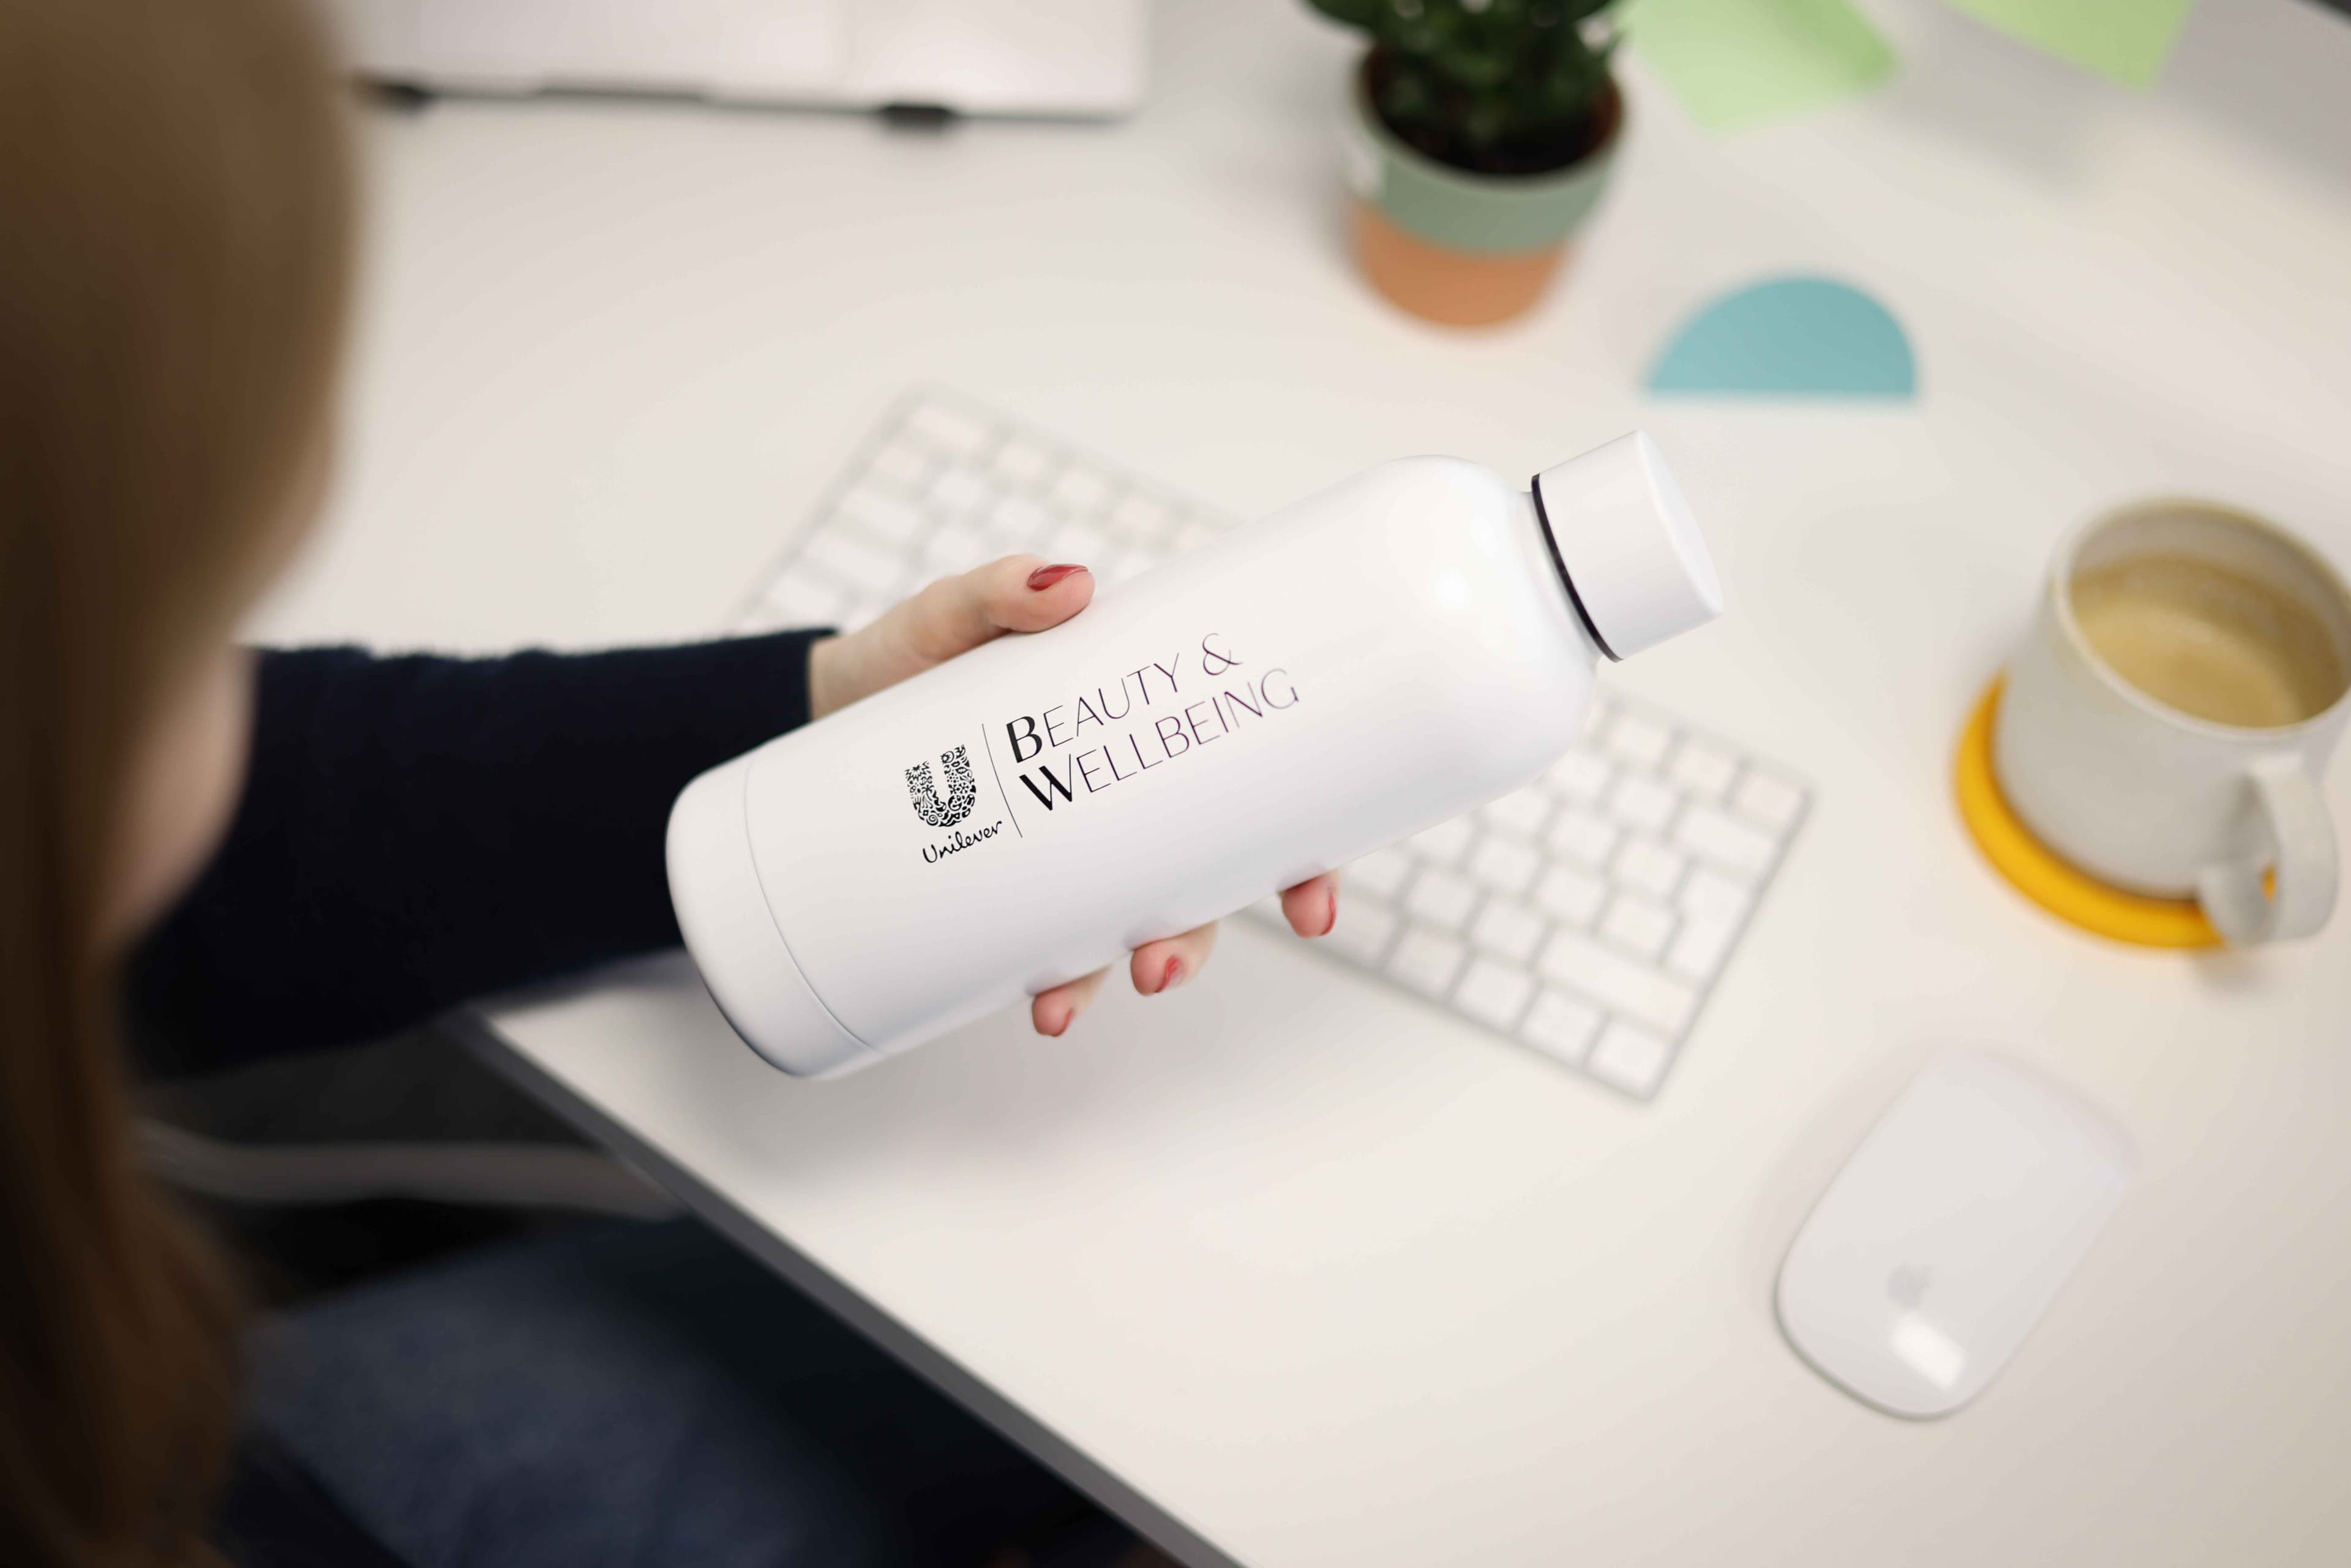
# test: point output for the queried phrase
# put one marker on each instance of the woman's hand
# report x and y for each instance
(957, 614)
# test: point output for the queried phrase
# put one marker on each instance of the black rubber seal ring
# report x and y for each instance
(1551, 543)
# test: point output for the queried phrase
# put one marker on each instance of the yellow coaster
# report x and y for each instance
(2036, 872)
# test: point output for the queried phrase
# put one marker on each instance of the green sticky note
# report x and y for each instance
(1741, 62)
(2126, 40)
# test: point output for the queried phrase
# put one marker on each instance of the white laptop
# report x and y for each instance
(1064, 57)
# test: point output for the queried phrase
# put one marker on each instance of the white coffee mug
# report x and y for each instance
(2153, 800)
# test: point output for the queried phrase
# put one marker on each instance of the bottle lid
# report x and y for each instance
(1633, 559)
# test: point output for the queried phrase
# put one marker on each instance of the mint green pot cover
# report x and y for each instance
(1486, 215)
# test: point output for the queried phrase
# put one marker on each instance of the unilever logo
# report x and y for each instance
(962, 790)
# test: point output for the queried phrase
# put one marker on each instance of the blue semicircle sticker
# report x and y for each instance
(1790, 336)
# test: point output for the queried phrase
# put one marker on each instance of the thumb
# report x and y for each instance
(951, 616)
(1018, 593)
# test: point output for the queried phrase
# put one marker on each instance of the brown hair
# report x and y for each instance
(175, 224)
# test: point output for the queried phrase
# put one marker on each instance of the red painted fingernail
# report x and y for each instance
(1331, 916)
(1173, 973)
(1044, 577)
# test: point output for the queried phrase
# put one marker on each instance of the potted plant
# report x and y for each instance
(1479, 140)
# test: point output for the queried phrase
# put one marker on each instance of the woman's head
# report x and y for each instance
(175, 229)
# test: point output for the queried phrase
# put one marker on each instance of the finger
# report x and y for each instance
(1018, 593)
(1312, 906)
(1053, 1011)
(951, 616)
(1163, 965)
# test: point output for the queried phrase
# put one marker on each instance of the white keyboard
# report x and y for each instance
(1587, 915)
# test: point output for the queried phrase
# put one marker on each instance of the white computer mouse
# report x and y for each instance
(1939, 1246)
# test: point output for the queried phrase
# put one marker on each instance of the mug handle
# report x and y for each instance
(2240, 908)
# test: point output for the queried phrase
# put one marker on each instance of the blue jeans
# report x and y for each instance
(621, 1393)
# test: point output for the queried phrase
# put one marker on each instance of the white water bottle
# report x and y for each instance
(1392, 651)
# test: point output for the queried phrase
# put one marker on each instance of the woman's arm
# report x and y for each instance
(415, 831)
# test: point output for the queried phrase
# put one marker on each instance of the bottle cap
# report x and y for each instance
(1633, 559)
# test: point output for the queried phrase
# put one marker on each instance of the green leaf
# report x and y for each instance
(1483, 71)
(1360, 13)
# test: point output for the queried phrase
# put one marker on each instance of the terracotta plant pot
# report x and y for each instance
(1457, 247)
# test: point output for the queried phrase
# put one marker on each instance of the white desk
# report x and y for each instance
(1292, 1270)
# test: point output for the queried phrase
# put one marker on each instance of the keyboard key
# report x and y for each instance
(1650, 866)
(1019, 463)
(1619, 983)
(1380, 872)
(1076, 542)
(1770, 801)
(901, 522)
(804, 600)
(1725, 839)
(945, 427)
(958, 490)
(1571, 895)
(1701, 770)
(1508, 930)
(855, 562)
(1018, 522)
(1561, 1027)
(1711, 892)
(1642, 803)
(762, 618)
(1362, 931)
(1129, 563)
(958, 547)
(904, 467)
(1191, 534)
(1636, 923)
(1139, 518)
(1636, 741)
(1522, 811)
(1701, 945)
(1579, 776)
(1590, 838)
(1443, 842)
(1426, 961)
(1505, 864)
(1441, 899)
(1080, 490)
(1630, 1058)
(1596, 718)
(1494, 994)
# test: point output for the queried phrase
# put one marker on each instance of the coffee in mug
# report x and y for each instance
(2214, 644)
(2166, 722)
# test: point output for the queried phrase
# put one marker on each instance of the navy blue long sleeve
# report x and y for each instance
(416, 831)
